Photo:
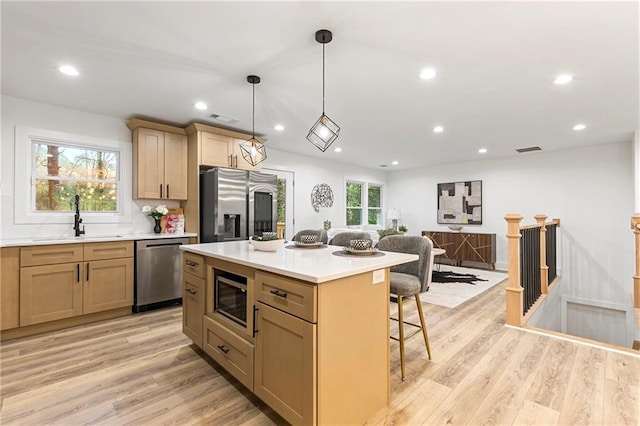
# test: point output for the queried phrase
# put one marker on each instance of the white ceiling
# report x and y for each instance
(495, 63)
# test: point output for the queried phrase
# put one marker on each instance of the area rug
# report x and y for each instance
(452, 294)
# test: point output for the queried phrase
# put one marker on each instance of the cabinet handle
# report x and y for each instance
(223, 349)
(230, 162)
(279, 293)
(190, 263)
(191, 291)
(168, 191)
(87, 272)
(254, 331)
(77, 272)
(236, 161)
(160, 190)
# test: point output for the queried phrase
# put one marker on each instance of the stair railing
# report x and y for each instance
(532, 257)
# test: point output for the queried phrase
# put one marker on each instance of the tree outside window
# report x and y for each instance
(359, 196)
(61, 171)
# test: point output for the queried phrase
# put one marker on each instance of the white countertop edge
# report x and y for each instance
(368, 263)
(41, 241)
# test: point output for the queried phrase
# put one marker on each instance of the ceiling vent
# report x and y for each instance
(223, 119)
(529, 149)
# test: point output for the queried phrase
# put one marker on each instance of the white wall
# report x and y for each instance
(590, 189)
(312, 171)
(16, 111)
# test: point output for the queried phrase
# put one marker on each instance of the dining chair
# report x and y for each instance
(320, 233)
(344, 238)
(407, 280)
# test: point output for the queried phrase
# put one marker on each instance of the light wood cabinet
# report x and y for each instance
(10, 287)
(193, 297)
(285, 364)
(216, 150)
(159, 162)
(98, 278)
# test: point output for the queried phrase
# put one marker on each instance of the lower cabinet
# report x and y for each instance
(285, 364)
(52, 291)
(230, 351)
(193, 307)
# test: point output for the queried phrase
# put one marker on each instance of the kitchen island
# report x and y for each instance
(306, 330)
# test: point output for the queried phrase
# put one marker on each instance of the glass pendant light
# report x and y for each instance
(324, 131)
(253, 150)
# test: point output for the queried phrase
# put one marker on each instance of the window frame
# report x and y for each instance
(25, 179)
(364, 200)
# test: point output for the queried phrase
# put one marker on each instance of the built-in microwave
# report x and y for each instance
(230, 296)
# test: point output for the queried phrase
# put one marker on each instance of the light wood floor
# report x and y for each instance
(142, 370)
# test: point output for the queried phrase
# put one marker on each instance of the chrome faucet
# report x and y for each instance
(78, 219)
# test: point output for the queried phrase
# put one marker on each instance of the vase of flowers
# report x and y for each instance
(156, 214)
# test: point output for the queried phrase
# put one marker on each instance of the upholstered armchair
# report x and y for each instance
(320, 233)
(343, 238)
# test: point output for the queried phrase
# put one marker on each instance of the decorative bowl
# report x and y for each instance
(363, 244)
(308, 238)
(455, 227)
(269, 245)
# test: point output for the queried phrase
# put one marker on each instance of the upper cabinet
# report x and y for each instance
(159, 161)
(218, 147)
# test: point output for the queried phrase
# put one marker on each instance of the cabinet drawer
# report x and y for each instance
(110, 250)
(230, 351)
(193, 264)
(288, 295)
(50, 255)
(193, 307)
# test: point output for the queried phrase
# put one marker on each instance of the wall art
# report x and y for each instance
(460, 202)
(321, 196)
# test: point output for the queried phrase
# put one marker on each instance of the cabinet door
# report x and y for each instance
(108, 284)
(285, 365)
(149, 160)
(49, 293)
(10, 287)
(175, 166)
(193, 307)
(215, 150)
(238, 160)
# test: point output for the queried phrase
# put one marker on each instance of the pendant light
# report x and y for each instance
(253, 150)
(325, 131)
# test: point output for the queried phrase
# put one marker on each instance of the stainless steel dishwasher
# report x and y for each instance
(158, 272)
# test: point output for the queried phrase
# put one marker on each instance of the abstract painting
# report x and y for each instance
(460, 203)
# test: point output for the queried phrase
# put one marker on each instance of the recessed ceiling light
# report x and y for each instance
(579, 127)
(278, 127)
(427, 73)
(563, 79)
(395, 163)
(200, 105)
(482, 150)
(68, 70)
(438, 129)
(337, 150)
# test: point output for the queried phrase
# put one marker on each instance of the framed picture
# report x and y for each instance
(460, 203)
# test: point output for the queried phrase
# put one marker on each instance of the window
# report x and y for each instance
(363, 199)
(60, 172)
(52, 167)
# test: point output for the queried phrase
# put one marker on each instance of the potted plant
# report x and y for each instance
(403, 229)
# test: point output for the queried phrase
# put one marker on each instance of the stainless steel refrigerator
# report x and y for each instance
(235, 204)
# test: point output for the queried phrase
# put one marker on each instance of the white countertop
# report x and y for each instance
(39, 241)
(315, 265)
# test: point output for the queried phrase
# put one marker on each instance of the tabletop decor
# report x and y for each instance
(460, 203)
(156, 214)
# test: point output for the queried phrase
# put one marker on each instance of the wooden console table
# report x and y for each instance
(465, 247)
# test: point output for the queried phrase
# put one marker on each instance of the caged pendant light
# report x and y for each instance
(325, 131)
(253, 150)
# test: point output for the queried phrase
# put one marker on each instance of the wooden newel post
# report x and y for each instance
(635, 225)
(514, 289)
(544, 268)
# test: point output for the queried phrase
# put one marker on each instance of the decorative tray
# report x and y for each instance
(308, 245)
(365, 252)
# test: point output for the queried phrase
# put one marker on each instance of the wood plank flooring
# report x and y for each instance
(142, 370)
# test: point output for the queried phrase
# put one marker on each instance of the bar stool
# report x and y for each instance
(407, 280)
